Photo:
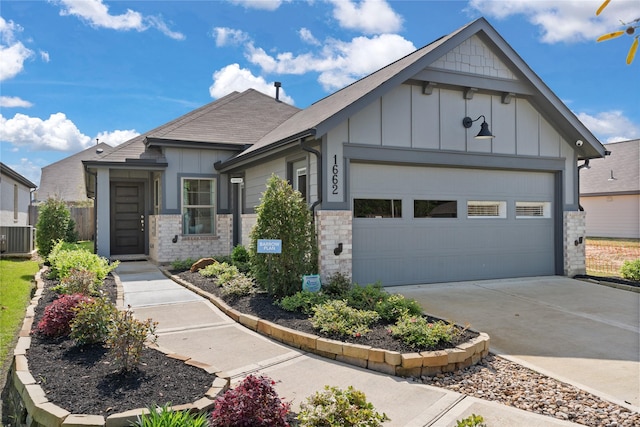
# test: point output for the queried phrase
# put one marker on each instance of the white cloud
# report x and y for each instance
(563, 21)
(13, 53)
(307, 37)
(259, 4)
(44, 56)
(14, 102)
(116, 137)
(97, 14)
(29, 169)
(368, 16)
(229, 37)
(56, 133)
(233, 78)
(610, 126)
(339, 63)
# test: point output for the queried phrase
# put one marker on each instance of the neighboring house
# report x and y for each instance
(610, 192)
(16, 235)
(401, 190)
(64, 179)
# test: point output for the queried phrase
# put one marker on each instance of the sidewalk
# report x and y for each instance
(192, 326)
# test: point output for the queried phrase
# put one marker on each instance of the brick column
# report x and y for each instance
(333, 228)
(574, 254)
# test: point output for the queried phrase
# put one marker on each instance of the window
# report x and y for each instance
(486, 209)
(435, 209)
(377, 208)
(15, 202)
(300, 181)
(533, 210)
(198, 206)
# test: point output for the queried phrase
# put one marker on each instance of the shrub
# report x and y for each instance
(335, 317)
(63, 260)
(283, 214)
(337, 285)
(253, 403)
(302, 301)
(57, 317)
(52, 225)
(71, 235)
(80, 282)
(239, 286)
(335, 407)
(182, 264)
(165, 417)
(366, 297)
(631, 270)
(221, 271)
(395, 306)
(472, 420)
(240, 259)
(126, 339)
(92, 321)
(417, 332)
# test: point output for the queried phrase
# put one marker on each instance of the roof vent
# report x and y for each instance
(278, 85)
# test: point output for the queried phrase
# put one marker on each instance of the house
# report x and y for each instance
(16, 235)
(401, 189)
(610, 192)
(64, 179)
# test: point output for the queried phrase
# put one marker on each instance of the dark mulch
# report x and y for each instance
(83, 380)
(604, 279)
(261, 305)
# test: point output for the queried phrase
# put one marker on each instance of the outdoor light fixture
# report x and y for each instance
(612, 178)
(484, 133)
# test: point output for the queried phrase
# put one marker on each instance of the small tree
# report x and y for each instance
(53, 225)
(284, 215)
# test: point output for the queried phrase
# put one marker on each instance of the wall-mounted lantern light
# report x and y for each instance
(484, 133)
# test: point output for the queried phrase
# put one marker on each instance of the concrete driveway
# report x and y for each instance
(581, 333)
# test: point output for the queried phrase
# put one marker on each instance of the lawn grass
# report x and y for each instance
(16, 277)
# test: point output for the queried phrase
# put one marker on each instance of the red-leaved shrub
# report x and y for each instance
(56, 321)
(253, 403)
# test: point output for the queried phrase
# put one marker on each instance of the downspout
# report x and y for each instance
(95, 209)
(585, 165)
(319, 158)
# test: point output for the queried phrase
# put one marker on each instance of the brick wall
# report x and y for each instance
(333, 228)
(165, 228)
(247, 221)
(574, 227)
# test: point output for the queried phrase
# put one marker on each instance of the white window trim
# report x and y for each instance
(214, 206)
(502, 209)
(546, 209)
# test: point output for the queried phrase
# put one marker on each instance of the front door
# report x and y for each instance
(127, 218)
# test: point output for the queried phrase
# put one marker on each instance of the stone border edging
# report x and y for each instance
(426, 363)
(36, 410)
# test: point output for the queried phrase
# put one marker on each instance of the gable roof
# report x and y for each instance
(6, 170)
(623, 164)
(232, 121)
(319, 118)
(64, 179)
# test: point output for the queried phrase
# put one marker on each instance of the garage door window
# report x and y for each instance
(435, 209)
(533, 210)
(377, 208)
(486, 209)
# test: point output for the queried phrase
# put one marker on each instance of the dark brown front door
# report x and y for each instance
(128, 222)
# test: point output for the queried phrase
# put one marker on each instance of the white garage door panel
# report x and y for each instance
(428, 250)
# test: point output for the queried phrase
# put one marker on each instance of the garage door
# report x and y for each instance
(425, 225)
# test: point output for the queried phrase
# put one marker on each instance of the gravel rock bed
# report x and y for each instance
(511, 384)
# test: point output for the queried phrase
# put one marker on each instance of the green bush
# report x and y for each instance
(221, 271)
(283, 214)
(631, 270)
(126, 339)
(240, 259)
(182, 264)
(83, 282)
(335, 407)
(239, 286)
(62, 261)
(472, 420)
(165, 417)
(366, 297)
(58, 316)
(337, 285)
(302, 301)
(395, 306)
(71, 235)
(336, 317)
(52, 225)
(92, 321)
(417, 332)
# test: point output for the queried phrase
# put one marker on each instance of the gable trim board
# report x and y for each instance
(386, 125)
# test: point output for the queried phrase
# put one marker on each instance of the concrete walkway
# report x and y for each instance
(578, 332)
(192, 326)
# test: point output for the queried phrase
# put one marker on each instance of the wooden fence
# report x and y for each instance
(84, 218)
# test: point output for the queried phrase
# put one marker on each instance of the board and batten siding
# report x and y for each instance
(612, 216)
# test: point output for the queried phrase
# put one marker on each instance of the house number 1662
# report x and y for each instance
(334, 177)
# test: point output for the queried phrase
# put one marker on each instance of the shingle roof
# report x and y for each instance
(623, 164)
(6, 170)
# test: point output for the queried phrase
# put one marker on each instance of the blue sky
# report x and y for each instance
(72, 71)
